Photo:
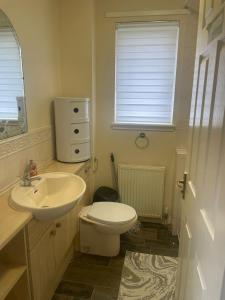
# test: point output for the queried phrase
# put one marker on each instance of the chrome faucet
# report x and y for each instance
(27, 179)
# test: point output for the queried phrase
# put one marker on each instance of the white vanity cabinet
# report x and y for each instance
(42, 265)
(14, 279)
(50, 253)
(51, 246)
(64, 235)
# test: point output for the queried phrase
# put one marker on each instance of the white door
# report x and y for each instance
(202, 244)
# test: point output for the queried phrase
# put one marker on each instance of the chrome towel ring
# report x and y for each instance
(142, 141)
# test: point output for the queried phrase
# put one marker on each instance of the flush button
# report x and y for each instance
(76, 110)
(77, 151)
(76, 131)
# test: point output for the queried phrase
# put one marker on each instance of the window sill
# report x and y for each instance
(144, 127)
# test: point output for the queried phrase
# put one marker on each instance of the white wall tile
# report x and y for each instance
(38, 148)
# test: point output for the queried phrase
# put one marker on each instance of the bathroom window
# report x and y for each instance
(146, 58)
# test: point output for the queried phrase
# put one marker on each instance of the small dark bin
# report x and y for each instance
(106, 194)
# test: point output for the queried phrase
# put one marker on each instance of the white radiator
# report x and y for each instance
(142, 187)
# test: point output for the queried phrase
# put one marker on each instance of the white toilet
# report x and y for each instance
(101, 225)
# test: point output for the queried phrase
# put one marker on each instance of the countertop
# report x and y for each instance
(11, 220)
(56, 166)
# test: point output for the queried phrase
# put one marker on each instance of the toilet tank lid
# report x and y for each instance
(111, 213)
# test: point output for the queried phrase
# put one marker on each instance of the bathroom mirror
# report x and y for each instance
(12, 98)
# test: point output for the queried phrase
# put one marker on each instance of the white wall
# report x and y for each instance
(77, 53)
(76, 34)
(161, 151)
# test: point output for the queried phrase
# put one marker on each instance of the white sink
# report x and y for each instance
(50, 197)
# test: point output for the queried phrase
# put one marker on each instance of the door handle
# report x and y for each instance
(182, 184)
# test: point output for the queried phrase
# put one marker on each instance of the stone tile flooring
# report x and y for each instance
(91, 277)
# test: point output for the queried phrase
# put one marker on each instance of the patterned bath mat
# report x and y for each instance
(148, 277)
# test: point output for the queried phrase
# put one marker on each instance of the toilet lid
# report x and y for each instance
(111, 213)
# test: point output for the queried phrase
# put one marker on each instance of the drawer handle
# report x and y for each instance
(76, 110)
(77, 151)
(76, 131)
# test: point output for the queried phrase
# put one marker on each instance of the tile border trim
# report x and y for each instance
(24, 141)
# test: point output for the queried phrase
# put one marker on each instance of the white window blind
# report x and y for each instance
(146, 56)
(11, 75)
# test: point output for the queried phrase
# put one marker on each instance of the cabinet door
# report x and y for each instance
(42, 264)
(72, 228)
(62, 240)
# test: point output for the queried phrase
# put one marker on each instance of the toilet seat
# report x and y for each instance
(111, 213)
(101, 225)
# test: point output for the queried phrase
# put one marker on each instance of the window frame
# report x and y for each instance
(147, 126)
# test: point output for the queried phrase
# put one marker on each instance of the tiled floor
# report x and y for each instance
(98, 278)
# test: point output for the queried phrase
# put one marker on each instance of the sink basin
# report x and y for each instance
(50, 197)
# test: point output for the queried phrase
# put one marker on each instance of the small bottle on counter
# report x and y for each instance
(33, 168)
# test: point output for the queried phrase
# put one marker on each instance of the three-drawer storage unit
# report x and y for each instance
(72, 125)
